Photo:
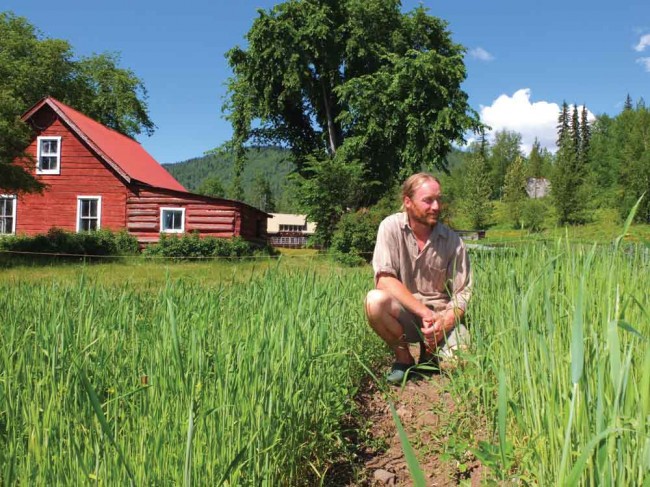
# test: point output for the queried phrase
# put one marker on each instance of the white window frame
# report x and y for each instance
(57, 154)
(99, 211)
(162, 219)
(13, 216)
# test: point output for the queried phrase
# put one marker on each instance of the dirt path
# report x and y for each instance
(435, 424)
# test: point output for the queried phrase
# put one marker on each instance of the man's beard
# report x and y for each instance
(427, 219)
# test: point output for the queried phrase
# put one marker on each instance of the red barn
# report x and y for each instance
(99, 178)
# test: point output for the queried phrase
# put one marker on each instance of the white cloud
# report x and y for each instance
(532, 120)
(481, 54)
(645, 61)
(643, 43)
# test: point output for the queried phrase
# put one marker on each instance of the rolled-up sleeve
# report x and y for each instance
(385, 259)
(461, 279)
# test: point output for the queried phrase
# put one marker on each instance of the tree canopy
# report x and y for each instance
(32, 67)
(357, 81)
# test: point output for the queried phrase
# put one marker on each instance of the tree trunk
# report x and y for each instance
(331, 127)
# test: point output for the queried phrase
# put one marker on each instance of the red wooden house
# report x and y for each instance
(99, 178)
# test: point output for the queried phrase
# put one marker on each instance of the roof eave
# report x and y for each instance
(150, 186)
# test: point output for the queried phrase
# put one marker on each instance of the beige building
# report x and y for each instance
(288, 230)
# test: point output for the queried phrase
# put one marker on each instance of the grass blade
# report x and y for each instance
(411, 460)
(97, 408)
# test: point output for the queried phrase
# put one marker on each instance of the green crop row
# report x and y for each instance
(561, 358)
(241, 383)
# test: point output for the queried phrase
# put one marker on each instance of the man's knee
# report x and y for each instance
(377, 302)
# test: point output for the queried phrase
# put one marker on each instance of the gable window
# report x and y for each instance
(89, 212)
(48, 155)
(172, 220)
(7, 214)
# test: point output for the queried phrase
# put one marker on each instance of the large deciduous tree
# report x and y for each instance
(359, 82)
(32, 67)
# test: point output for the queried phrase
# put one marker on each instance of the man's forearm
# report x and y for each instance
(451, 317)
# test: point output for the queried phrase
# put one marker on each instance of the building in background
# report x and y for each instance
(538, 187)
(289, 231)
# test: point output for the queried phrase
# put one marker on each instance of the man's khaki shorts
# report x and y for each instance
(458, 338)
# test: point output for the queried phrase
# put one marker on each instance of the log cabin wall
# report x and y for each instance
(206, 217)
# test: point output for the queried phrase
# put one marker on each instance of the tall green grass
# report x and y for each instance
(240, 383)
(569, 328)
(243, 379)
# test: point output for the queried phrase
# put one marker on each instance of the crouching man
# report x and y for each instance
(422, 280)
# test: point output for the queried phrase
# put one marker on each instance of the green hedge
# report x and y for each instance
(57, 241)
(191, 246)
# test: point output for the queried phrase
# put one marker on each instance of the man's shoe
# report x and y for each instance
(429, 359)
(398, 372)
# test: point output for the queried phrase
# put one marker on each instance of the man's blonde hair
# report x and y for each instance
(412, 184)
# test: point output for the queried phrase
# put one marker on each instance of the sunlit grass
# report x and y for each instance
(140, 272)
(211, 372)
(241, 381)
(569, 327)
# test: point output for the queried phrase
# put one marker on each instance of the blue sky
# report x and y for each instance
(523, 59)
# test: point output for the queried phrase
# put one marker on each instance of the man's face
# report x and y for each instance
(424, 206)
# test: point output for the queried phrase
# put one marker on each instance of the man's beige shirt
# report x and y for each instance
(439, 275)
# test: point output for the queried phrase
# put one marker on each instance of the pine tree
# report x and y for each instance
(505, 150)
(575, 129)
(536, 161)
(263, 195)
(514, 190)
(633, 152)
(585, 134)
(568, 174)
(628, 103)
(563, 124)
(476, 198)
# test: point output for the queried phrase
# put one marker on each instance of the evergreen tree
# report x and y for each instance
(603, 162)
(536, 161)
(263, 195)
(585, 137)
(634, 156)
(628, 103)
(575, 131)
(475, 202)
(514, 190)
(568, 175)
(506, 148)
(563, 124)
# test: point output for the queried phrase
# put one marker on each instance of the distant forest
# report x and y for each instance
(266, 168)
(269, 165)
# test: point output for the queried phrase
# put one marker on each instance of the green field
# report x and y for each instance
(240, 374)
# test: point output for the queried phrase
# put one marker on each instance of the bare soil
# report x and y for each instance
(429, 414)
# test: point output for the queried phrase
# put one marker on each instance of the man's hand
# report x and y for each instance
(435, 326)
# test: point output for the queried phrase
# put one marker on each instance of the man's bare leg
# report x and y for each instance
(382, 311)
